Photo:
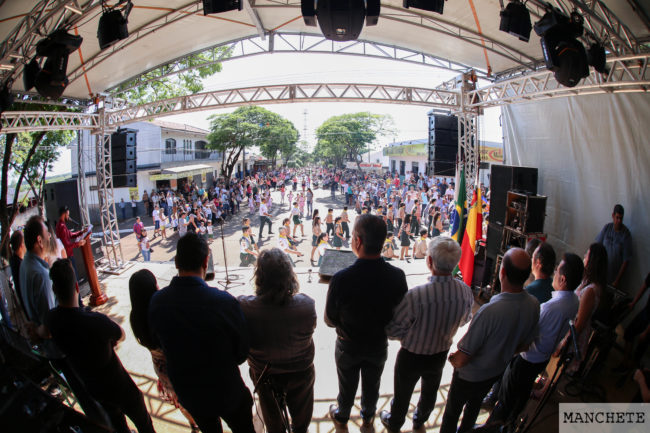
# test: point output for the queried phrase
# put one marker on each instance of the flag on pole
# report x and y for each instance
(460, 205)
(473, 232)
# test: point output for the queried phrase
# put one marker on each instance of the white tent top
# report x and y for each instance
(161, 31)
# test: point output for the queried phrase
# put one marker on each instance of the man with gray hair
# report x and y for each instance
(426, 321)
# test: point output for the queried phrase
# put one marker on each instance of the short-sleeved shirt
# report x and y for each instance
(263, 209)
(507, 321)
(541, 289)
(618, 246)
(87, 338)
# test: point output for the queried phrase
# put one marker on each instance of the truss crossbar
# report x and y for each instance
(626, 74)
(23, 121)
(285, 94)
(108, 213)
(290, 43)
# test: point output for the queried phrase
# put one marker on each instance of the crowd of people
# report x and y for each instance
(198, 336)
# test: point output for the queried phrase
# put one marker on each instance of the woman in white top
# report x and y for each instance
(56, 250)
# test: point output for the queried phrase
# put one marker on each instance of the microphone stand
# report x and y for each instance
(227, 282)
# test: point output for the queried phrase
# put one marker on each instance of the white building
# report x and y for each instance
(406, 157)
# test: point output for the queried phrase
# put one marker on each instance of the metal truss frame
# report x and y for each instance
(107, 211)
(81, 180)
(281, 42)
(45, 17)
(284, 94)
(19, 121)
(626, 74)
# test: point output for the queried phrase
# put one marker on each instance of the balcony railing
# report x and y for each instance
(181, 155)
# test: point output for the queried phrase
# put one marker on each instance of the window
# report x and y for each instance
(199, 146)
(414, 167)
(187, 149)
(170, 146)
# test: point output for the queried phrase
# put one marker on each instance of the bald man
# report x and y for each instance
(500, 329)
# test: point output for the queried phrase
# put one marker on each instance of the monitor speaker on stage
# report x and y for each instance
(504, 178)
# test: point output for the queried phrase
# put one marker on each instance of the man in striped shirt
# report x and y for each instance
(426, 321)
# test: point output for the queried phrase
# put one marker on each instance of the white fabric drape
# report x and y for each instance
(592, 152)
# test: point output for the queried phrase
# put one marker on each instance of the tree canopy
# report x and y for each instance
(345, 137)
(248, 127)
(175, 79)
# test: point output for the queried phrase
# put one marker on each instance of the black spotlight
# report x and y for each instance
(515, 19)
(597, 58)
(427, 5)
(52, 79)
(563, 53)
(113, 24)
(218, 6)
(341, 20)
(6, 99)
(30, 73)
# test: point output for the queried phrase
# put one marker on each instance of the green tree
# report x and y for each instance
(248, 127)
(179, 78)
(345, 137)
(42, 159)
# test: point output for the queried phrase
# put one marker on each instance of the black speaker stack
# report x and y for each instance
(442, 144)
(124, 158)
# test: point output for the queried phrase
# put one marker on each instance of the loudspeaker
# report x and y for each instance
(124, 137)
(124, 167)
(439, 121)
(504, 178)
(125, 180)
(443, 153)
(334, 261)
(443, 137)
(443, 168)
(493, 242)
(58, 194)
(123, 153)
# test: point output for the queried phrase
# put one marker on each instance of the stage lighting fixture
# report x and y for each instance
(515, 19)
(340, 20)
(113, 24)
(597, 58)
(218, 6)
(427, 5)
(30, 72)
(563, 53)
(6, 99)
(52, 79)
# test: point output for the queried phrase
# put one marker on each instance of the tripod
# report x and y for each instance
(228, 281)
(279, 396)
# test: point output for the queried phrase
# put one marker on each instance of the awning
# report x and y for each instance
(181, 172)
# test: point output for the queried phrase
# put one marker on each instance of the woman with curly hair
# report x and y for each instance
(142, 286)
(281, 324)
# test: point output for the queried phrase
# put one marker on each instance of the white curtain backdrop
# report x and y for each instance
(592, 152)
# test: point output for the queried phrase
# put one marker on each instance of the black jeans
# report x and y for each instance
(349, 366)
(264, 220)
(409, 368)
(298, 388)
(465, 394)
(125, 400)
(517, 382)
(329, 227)
(240, 419)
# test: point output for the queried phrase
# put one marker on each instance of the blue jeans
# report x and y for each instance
(146, 255)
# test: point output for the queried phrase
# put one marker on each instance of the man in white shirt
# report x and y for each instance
(156, 221)
(265, 218)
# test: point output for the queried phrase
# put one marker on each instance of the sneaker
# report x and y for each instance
(333, 412)
(384, 416)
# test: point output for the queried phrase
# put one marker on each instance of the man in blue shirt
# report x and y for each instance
(543, 265)
(203, 335)
(617, 239)
(554, 318)
(35, 283)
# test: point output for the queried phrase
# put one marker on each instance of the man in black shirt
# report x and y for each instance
(204, 336)
(88, 339)
(360, 303)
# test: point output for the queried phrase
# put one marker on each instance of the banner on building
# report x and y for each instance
(417, 149)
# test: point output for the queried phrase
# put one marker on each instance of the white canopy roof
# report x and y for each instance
(161, 31)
